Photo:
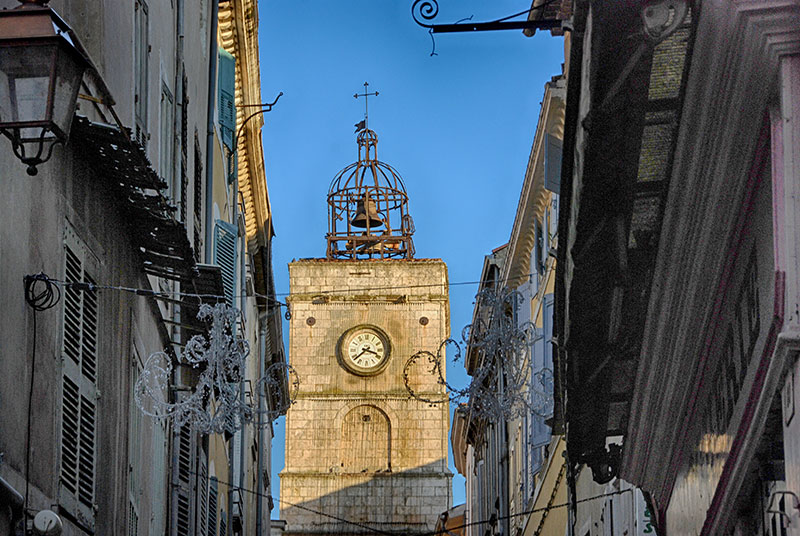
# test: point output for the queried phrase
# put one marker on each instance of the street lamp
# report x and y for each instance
(41, 68)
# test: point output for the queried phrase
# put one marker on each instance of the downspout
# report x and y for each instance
(212, 98)
(174, 477)
(262, 347)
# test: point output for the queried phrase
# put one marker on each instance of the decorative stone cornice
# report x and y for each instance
(238, 35)
(533, 199)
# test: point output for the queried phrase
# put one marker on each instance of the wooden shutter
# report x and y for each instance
(225, 243)
(213, 493)
(140, 77)
(223, 524)
(79, 392)
(227, 92)
(133, 520)
(552, 163)
(198, 198)
(186, 447)
(134, 450)
(202, 492)
(158, 479)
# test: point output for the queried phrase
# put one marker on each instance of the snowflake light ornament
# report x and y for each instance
(217, 404)
(502, 387)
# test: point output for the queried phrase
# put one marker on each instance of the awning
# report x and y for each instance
(150, 218)
(613, 209)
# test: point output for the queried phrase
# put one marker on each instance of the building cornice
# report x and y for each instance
(238, 35)
(533, 198)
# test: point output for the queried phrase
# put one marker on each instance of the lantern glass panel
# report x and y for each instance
(69, 73)
(25, 86)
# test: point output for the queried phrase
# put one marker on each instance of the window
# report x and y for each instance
(198, 198)
(79, 388)
(225, 243)
(167, 139)
(538, 249)
(186, 459)
(213, 493)
(184, 175)
(227, 95)
(134, 452)
(159, 478)
(141, 53)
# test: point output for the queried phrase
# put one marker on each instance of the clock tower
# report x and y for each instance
(362, 455)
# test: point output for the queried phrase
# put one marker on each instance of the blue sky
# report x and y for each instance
(458, 126)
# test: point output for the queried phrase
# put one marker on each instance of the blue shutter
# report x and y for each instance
(552, 163)
(227, 92)
(225, 243)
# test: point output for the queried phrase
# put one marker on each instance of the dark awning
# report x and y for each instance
(154, 230)
(618, 169)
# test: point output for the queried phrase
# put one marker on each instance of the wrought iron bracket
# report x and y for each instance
(424, 11)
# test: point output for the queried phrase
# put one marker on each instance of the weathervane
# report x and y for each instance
(363, 125)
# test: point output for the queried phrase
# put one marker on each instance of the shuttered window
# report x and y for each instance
(225, 235)
(227, 89)
(141, 45)
(134, 451)
(198, 198)
(202, 492)
(185, 482)
(552, 163)
(133, 520)
(213, 494)
(159, 479)
(79, 391)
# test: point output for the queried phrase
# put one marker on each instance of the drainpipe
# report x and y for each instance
(212, 98)
(262, 347)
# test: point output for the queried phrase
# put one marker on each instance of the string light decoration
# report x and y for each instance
(218, 403)
(502, 386)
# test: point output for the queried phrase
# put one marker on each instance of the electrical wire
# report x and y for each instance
(493, 519)
(83, 286)
(38, 300)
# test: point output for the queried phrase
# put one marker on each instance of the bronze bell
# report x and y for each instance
(366, 211)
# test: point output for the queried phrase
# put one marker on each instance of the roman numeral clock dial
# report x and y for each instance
(364, 350)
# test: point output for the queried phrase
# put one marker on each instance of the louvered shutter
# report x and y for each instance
(223, 524)
(213, 493)
(133, 520)
(225, 242)
(159, 479)
(552, 163)
(202, 492)
(79, 391)
(227, 91)
(185, 441)
(134, 451)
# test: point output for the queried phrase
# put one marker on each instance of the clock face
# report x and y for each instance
(364, 350)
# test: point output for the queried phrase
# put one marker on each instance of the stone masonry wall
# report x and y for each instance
(408, 300)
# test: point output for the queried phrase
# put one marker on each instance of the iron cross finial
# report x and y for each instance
(366, 96)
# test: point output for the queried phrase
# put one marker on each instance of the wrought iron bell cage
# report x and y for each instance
(368, 208)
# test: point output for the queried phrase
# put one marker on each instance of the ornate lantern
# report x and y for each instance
(41, 68)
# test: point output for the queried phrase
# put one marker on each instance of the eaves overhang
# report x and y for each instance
(149, 216)
(533, 198)
(623, 136)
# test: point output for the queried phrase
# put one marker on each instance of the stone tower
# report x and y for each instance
(361, 453)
